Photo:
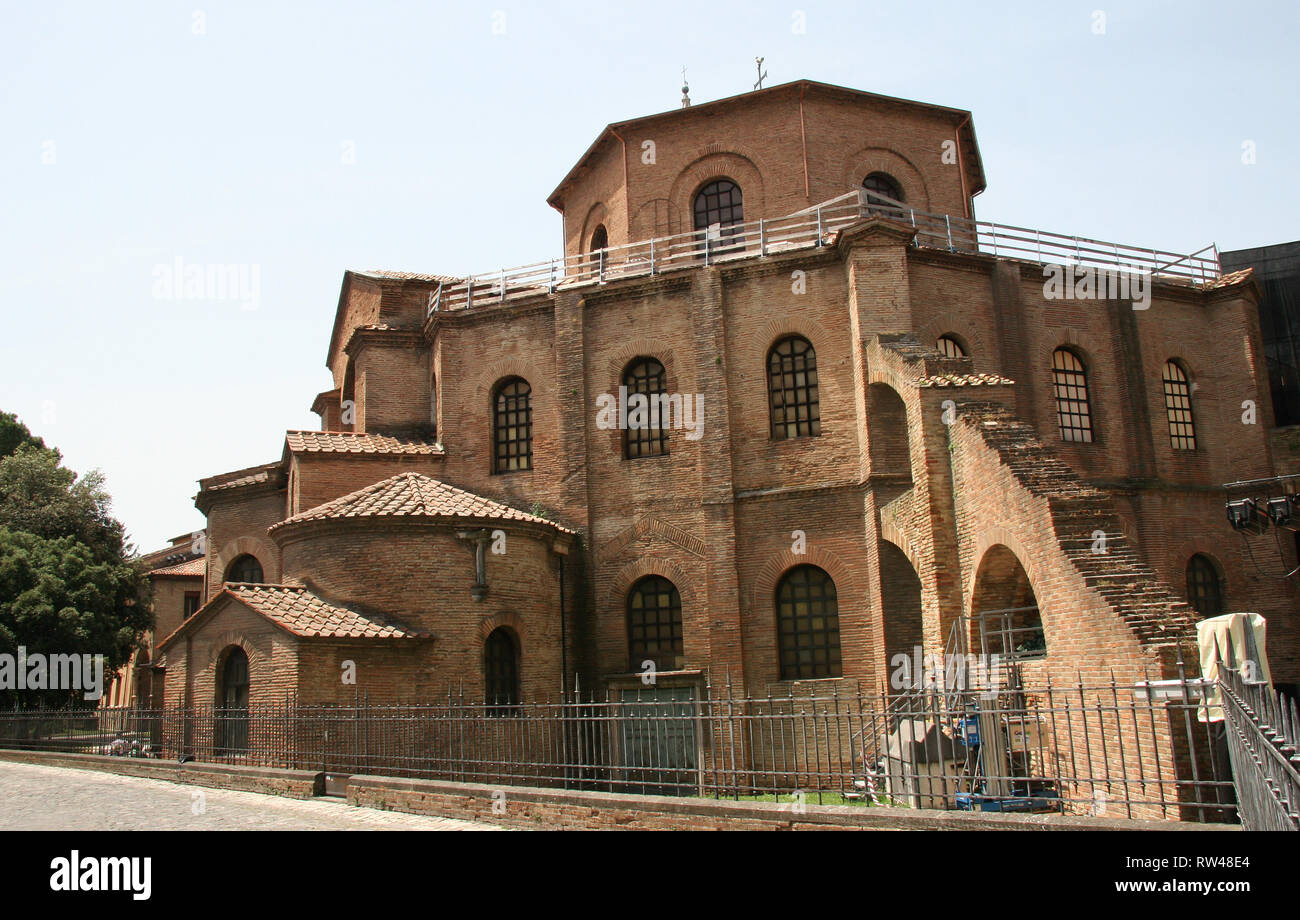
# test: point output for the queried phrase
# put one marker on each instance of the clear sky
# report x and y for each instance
(300, 139)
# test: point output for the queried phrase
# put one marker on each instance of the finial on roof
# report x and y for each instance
(686, 90)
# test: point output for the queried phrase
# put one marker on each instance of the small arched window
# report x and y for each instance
(1178, 407)
(1204, 590)
(231, 718)
(720, 203)
(599, 239)
(245, 570)
(1073, 408)
(654, 624)
(808, 624)
(646, 434)
(501, 669)
(949, 347)
(792, 389)
(512, 426)
(882, 191)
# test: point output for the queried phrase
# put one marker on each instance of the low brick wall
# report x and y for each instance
(524, 807)
(295, 784)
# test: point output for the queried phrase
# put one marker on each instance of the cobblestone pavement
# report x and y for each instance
(53, 798)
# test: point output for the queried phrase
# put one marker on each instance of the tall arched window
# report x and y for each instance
(949, 347)
(808, 624)
(599, 239)
(245, 570)
(882, 190)
(1178, 407)
(654, 624)
(501, 669)
(512, 426)
(720, 203)
(646, 434)
(231, 722)
(792, 389)
(1073, 409)
(1204, 590)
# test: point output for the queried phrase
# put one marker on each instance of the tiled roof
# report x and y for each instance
(345, 442)
(1229, 279)
(305, 614)
(193, 567)
(964, 380)
(240, 478)
(414, 495)
(405, 276)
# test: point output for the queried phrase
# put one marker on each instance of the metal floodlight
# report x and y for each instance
(1279, 511)
(1241, 513)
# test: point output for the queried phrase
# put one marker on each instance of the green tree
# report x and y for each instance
(67, 582)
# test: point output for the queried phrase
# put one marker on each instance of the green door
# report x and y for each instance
(659, 742)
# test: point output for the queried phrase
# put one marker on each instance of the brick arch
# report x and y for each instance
(728, 163)
(599, 214)
(254, 546)
(857, 166)
(497, 371)
(889, 433)
(794, 324)
(506, 618)
(1182, 553)
(644, 348)
(763, 594)
(946, 323)
(986, 540)
(225, 640)
(623, 580)
(891, 533)
(1005, 568)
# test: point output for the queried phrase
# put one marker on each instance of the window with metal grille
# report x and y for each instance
(647, 377)
(792, 389)
(512, 427)
(1070, 383)
(880, 187)
(501, 669)
(1204, 591)
(654, 624)
(1178, 406)
(720, 202)
(245, 570)
(949, 347)
(808, 624)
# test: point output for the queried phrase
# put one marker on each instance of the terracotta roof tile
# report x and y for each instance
(415, 495)
(192, 567)
(239, 478)
(305, 614)
(964, 380)
(405, 276)
(346, 442)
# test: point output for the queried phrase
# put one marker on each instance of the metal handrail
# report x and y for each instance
(812, 228)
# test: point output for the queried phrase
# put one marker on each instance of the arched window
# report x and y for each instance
(1204, 590)
(882, 190)
(654, 624)
(1070, 383)
(646, 434)
(1178, 406)
(501, 669)
(792, 389)
(720, 203)
(512, 426)
(599, 239)
(245, 570)
(949, 347)
(231, 722)
(808, 624)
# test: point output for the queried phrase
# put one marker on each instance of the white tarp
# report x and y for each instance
(1247, 632)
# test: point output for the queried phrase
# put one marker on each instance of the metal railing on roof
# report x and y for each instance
(813, 228)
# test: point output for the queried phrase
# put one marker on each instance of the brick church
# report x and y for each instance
(783, 412)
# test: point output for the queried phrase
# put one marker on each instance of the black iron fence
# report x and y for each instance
(1106, 749)
(1262, 728)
